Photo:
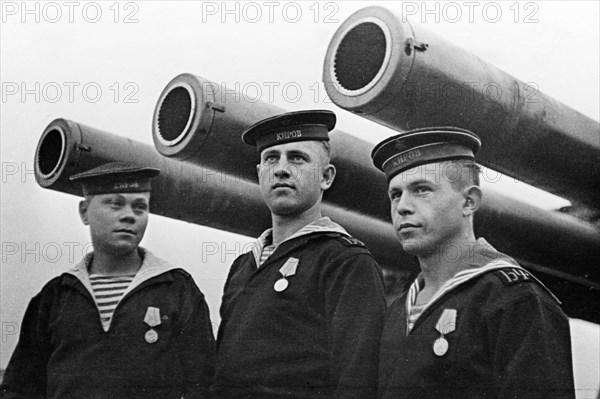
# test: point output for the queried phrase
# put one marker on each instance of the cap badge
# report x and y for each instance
(400, 146)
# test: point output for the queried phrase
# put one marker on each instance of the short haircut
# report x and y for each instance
(328, 151)
(462, 173)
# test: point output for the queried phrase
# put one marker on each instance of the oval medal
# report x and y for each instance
(440, 346)
(151, 336)
(281, 284)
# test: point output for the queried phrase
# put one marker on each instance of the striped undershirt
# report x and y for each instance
(264, 244)
(266, 252)
(415, 312)
(108, 291)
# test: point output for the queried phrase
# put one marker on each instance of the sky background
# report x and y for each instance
(131, 50)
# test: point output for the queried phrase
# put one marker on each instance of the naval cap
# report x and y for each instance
(291, 126)
(425, 145)
(116, 177)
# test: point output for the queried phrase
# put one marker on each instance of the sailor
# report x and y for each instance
(302, 312)
(474, 323)
(123, 323)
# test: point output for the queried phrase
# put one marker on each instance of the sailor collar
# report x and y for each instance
(321, 225)
(151, 267)
(492, 261)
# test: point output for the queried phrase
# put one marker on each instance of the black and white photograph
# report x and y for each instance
(300, 199)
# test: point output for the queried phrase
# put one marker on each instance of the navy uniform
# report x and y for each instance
(491, 331)
(159, 343)
(307, 322)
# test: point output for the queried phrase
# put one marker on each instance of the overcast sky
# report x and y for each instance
(117, 57)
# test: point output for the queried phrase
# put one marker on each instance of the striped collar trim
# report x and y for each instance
(321, 225)
(487, 259)
(461, 278)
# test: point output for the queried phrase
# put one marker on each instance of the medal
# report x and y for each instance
(151, 336)
(281, 284)
(288, 269)
(440, 346)
(445, 325)
(152, 319)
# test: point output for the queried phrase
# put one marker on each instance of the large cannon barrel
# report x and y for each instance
(396, 73)
(196, 122)
(185, 191)
(181, 191)
(200, 121)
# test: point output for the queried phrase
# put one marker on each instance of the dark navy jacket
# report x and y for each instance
(511, 340)
(63, 351)
(319, 338)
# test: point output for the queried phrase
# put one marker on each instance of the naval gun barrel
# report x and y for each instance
(396, 73)
(201, 122)
(196, 122)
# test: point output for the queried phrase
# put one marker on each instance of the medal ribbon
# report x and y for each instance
(447, 322)
(289, 267)
(152, 317)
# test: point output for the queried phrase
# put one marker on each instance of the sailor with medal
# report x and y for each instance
(474, 324)
(122, 323)
(302, 312)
